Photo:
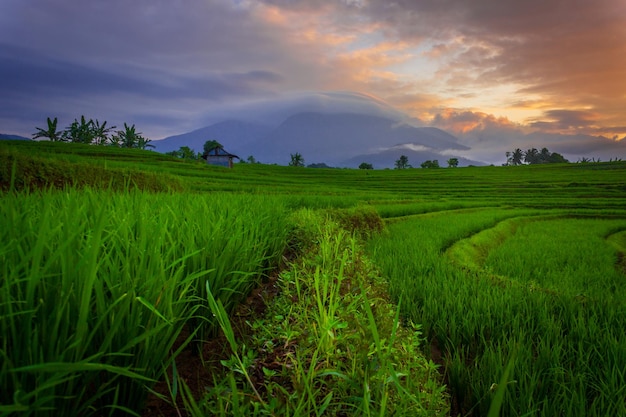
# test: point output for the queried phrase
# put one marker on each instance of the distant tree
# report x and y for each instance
(130, 138)
(185, 152)
(101, 133)
(365, 165)
(80, 131)
(430, 164)
(541, 157)
(318, 165)
(453, 162)
(557, 158)
(296, 160)
(251, 160)
(402, 162)
(143, 142)
(115, 140)
(209, 145)
(50, 133)
(531, 156)
(516, 157)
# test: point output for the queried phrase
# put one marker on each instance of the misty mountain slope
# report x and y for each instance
(4, 136)
(235, 135)
(388, 157)
(332, 138)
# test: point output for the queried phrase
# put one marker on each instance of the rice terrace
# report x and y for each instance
(137, 283)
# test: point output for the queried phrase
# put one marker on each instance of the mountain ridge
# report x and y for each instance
(332, 138)
(5, 136)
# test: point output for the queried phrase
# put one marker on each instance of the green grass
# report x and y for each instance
(330, 344)
(514, 275)
(97, 286)
(542, 186)
(568, 256)
(492, 284)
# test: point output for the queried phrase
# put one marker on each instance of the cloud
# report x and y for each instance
(464, 121)
(570, 54)
(490, 137)
(274, 110)
(491, 71)
(144, 60)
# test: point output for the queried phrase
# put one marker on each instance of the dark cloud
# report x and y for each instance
(24, 73)
(566, 120)
(176, 64)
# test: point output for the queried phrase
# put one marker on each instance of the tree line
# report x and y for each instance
(534, 156)
(403, 163)
(94, 132)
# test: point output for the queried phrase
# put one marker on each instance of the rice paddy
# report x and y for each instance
(514, 276)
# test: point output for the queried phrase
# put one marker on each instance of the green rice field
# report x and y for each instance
(456, 291)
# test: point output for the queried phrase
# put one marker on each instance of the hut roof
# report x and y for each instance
(219, 151)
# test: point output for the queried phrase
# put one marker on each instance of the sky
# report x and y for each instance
(498, 74)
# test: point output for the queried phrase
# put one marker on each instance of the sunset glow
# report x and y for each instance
(481, 66)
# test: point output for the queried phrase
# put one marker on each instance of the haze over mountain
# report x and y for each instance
(12, 137)
(498, 75)
(331, 128)
(334, 127)
(230, 133)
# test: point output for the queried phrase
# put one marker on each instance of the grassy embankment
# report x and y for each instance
(468, 254)
(115, 282)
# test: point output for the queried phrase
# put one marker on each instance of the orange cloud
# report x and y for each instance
(464, 121)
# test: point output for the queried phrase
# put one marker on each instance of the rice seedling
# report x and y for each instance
(97, 286)
(558, 302)
(104, 282)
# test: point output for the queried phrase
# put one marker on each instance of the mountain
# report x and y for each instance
(12, 137)
(333, 138)
(233, 134)
(388, 157)
(333, 128)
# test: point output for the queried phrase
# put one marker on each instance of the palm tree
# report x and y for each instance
(296, 160)
(51, 133)
(531, 156)
(516, 157)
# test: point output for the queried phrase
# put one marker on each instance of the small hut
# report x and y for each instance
(218, 156)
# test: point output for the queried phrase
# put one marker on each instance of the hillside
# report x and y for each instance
(235, 134)
(12, 137)
(43, 163)
(336, 139)
(147, 240)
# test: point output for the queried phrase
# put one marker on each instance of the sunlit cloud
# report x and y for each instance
(464, 121)
(486, 70)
